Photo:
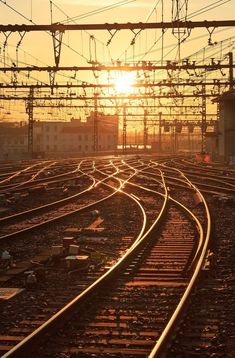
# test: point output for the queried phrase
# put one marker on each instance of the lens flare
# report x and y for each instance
(124, 82)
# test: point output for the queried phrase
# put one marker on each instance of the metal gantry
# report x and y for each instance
(124, 128)
(60, 27)
(96, 133)
(29, 110)
(145, 129)
(204, 125)
(180, 26)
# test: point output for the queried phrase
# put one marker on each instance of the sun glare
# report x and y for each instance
(124, 82)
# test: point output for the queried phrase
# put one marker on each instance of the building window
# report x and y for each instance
(55, 137)
(47, 138)
(47, 128)
(86, 137)
(79, 137)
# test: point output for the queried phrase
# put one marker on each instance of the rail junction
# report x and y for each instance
(130, 287)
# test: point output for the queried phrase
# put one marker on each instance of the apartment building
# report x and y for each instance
(13, 140)
(58, 138)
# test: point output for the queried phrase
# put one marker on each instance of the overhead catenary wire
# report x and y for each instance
(26, 18)
(207, 8)
(97, 11)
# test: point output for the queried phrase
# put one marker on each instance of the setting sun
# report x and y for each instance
(124, 82)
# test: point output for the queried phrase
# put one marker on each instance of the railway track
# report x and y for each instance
(25, 176)
(152, 266)
(39, 192)
(123, 243)
(137, 306)
(21, 223)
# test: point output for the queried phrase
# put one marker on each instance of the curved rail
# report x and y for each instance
(23, 346)
(166, 335)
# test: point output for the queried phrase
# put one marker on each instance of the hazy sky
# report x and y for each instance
(80, 48)
(133, 11)
(136, 10)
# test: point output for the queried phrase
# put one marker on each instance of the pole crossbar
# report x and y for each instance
(59, 27)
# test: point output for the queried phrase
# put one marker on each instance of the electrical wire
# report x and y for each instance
(97, 11)
(22, 15)
(207, 8)
(190, 16)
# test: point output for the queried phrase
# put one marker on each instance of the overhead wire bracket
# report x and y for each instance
(18, 45)
(210, 35)
(7, 35)
(112, 34)
(136, 34)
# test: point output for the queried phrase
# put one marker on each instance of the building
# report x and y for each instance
(226, 125)
(13, 140)
(57, 138)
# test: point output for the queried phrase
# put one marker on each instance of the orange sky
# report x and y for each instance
(135, 11)
(37, 49)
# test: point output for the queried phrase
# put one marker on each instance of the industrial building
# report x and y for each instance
(226, 139)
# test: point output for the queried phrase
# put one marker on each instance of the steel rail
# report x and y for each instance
(135, 245)
(200, 256)
(43, 207)
(33, 176)
(51, 205)
(198, 224)
(46, 180)
(19, 172)
(24, 346)
(204, 171)
(11, 353)
(198, 260)
(210, 172)
(203, 185)
(57, 218)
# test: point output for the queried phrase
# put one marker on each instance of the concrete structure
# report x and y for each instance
(54, 138)
(13, 140)
(226, 138)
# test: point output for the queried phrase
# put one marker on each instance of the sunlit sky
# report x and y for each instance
(82, 47)
(119, 48)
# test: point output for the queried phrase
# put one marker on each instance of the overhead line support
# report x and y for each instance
(145, 129)
(117, 26)
(29, 110)
(124, 129)
(96, 145)
(130, 97)
(204, 124)
(135, 85)
(136, 67)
